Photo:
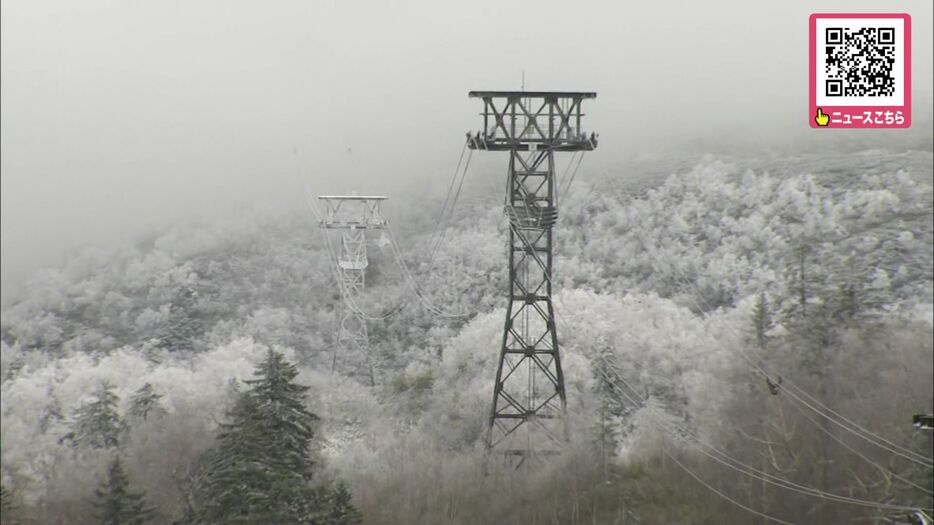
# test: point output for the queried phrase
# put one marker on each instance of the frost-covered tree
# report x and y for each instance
(637, 265)
(50, 414)
(611, 406)
(342, 511)
(144, 401)
(281, 412)
(261, 468)
(116, 504)
(97, 424)
(184, 323)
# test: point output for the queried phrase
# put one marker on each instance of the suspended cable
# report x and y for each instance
(443, 234)
(410, 279)
(437, 225)
(567, 186)
(834, 421)
(722, 495)
(858, 426)
(858, 453)
(559, 183)
(741, 467)
(749, 470)
(862, 432)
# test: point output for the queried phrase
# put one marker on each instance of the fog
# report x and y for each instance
(120, 118)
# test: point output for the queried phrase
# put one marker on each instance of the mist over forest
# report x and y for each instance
(745, 308)
(675, 285)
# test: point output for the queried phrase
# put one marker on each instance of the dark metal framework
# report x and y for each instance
(353, 215)
(529, 401)
(527, 120)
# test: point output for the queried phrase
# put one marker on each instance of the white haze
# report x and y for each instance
(121, 117)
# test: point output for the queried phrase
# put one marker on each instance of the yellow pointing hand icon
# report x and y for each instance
(820, 118)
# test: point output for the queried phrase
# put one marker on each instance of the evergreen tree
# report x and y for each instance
(97, 423)
(282, 414)
(14, 367)
(845, 304)
(260, 470)
(185, 322)
(233, 483)
(342, 511)
(144, 401)
(51, 414)
(6, 505)
(116, 504)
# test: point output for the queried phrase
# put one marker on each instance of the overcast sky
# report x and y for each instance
(124, 116)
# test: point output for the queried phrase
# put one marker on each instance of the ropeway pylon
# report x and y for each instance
(352, 216)
(529, 401)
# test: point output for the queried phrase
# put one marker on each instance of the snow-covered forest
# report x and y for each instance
(776, 312)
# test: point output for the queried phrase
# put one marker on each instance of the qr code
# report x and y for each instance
(860, 62)
(860, 70)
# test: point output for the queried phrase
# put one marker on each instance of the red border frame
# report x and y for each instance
(857, 110)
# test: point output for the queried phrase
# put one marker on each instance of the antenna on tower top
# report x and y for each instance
(523, 80)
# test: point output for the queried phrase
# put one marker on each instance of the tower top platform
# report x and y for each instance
(531, 121)
(532, 94)
(353, 197)
(353, 212)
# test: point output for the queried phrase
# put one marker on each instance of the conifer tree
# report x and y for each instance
(260, 470)
(185, 322)
(6, 505)
(97, 423)
(116, 504)
(282, 414)
(342, 511)
(144, 401)
(51, 414)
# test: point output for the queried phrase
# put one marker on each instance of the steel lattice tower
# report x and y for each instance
(353, 215)
(529, 402)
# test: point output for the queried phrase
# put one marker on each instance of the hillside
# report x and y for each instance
(680, 280)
